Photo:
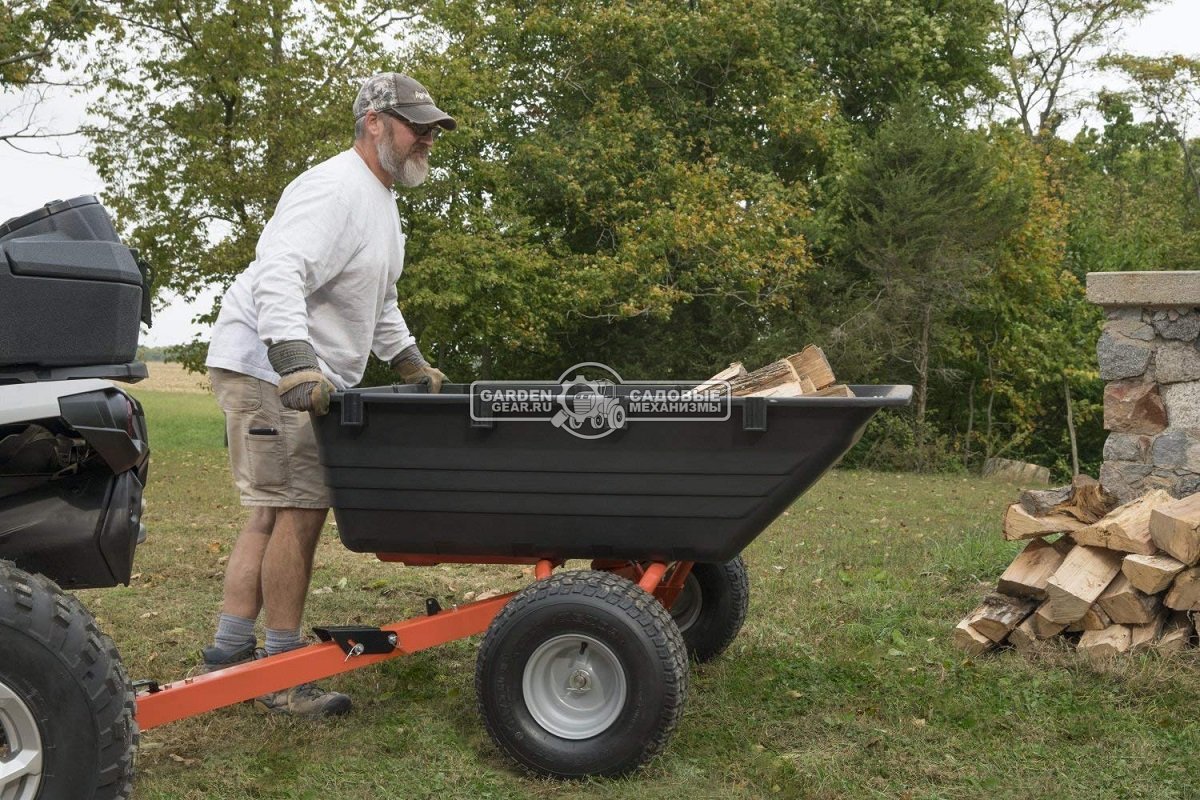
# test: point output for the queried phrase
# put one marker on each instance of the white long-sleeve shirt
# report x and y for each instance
(325, 271)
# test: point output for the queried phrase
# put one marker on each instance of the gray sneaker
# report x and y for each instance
(306, 700)
(215, 658)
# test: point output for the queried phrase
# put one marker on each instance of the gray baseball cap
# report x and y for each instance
(400, 94)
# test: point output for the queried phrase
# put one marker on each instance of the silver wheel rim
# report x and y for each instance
(574, 686)
(20, 748)
(687, 606)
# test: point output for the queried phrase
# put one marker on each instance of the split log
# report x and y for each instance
(1094, 620)
(1127, 528)
(811, 363)
(1026, 576)
(1151, 574)
(1044, 628)
(1176, 635)
(1126, 605)
(1084, 498)
(1184, 594)
(1091, 502)
(1175, 527)
(1019, 524)
(1110, 642)
(783, 390)
(1024, 637)
(1040, 502)
(837, 390)
(776, 374)
(1079, 581)
(1143, 637)
(998, 614)
(734, 370)
(971, 641)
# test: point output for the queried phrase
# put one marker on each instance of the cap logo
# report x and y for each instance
(419, 95)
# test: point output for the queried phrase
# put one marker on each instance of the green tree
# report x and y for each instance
(1047, 44)
(211, 108)
(928, 222)
(36, 36)
(1169, 88)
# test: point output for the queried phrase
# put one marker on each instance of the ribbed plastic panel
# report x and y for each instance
(414, 476)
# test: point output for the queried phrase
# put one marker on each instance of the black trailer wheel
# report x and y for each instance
(66, 706)
(712, 607)
(582, 673)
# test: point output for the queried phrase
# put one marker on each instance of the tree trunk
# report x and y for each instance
(987, 436)
(485, 362)
(970, 424)
(921, 391)
(1071, 428)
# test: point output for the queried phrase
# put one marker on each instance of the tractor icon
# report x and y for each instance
(591, 402)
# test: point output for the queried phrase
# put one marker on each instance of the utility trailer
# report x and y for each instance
(585, 671)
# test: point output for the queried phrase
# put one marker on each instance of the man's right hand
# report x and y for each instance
(302, 385)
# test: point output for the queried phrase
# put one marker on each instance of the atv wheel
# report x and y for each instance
(66, 706)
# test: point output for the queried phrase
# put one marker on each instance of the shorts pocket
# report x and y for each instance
(266, 454)
(236, 392)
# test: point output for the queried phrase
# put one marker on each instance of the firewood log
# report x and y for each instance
(1110, 642)
(998, 614)
(1127, 528)
(1019, 524)
(1184, 594)
(811, 363)
(1151, 574)
(1079, 581)
(1175, 527)
(1026, 576)
(1125, 604)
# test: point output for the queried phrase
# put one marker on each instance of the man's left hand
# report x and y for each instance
(413, 368)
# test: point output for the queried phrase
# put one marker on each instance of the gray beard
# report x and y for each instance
(411, 171)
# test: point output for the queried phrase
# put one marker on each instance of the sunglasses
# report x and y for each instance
(420, 131)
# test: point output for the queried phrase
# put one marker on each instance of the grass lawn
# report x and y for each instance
(843, 682)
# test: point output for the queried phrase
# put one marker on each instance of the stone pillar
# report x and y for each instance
(1149, 356)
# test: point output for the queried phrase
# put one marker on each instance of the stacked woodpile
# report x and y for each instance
(1107, 578)
(804, 373)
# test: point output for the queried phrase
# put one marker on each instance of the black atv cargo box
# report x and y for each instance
(410, 473)
(70, 292)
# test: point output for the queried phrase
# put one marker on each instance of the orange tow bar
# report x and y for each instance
(192, 696)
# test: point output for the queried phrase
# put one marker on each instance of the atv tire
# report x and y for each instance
(67, 729)
(712, 607)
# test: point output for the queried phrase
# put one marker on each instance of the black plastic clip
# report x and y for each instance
(150, 686)
(432, 606)
(358, 639)
(754, 414)
(352, 409)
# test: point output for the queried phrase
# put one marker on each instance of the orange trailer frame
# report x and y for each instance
(189, 697)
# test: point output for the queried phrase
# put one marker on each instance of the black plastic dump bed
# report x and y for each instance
(412, 473)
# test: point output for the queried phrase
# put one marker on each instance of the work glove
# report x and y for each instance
(302, 385)
(413, 368)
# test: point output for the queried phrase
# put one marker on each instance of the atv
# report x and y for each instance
(74, 458)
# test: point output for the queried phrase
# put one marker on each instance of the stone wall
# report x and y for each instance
(1149, 356)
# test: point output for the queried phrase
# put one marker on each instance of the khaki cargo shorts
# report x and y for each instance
(272, 449)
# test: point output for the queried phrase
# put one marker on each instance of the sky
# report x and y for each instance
(29, 181)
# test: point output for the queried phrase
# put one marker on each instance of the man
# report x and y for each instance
(297, 324)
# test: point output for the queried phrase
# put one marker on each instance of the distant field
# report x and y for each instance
(843, 683)
(171, 377)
